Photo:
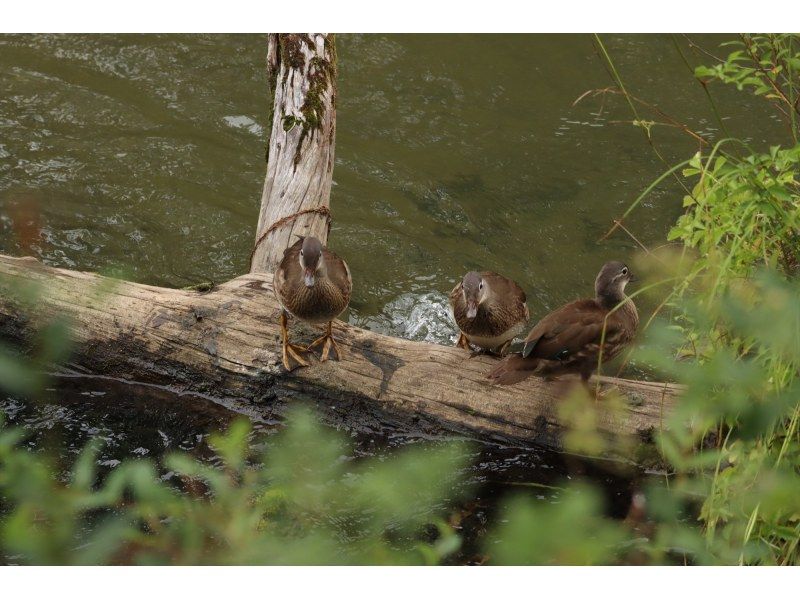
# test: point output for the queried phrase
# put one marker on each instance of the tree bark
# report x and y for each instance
(224, 345)
(296, 195)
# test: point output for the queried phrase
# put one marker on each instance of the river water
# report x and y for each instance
(144, 156)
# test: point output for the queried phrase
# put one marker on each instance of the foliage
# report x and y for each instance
(744, 211)
(302, 502)
(572, 532)
(733, 440)
(49, 342)
(734, 326)
(767, 65)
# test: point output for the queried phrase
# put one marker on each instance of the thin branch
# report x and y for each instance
(671, 121)
(703, 84)
(757, 62)
(695, 46)
(618, 223)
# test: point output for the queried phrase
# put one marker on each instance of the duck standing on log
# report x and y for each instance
(313, 284)
(490, 311)
(568, 340)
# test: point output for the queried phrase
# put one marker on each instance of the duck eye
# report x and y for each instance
(301, 252)
(624, 271)
(480, 286)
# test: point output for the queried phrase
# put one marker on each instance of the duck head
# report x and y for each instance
(475, 292)
(311, 260)
(610, 283)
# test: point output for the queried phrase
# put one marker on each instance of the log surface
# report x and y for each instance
(225, 345)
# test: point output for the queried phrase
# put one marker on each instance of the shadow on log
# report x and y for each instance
(225, 345)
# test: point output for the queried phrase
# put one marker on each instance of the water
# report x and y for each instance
(144, 155)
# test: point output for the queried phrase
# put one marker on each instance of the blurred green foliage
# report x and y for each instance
(571, 532)
(732, 331)
(49, 343)
(302, 502)
(733, 441)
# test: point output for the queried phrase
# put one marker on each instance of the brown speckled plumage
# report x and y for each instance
(324, 301)
(500, 318)
(314, 285)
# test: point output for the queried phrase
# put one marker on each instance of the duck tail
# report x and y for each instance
(514, 368)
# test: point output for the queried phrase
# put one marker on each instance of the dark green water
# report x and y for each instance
(145, 154)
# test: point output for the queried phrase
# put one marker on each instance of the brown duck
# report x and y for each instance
(314, 285)
(568, 340)
(490, 311)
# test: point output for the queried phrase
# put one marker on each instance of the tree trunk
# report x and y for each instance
(296, 195)
(225, 345)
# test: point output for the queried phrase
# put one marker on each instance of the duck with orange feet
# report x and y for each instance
(313, 284)
(490, 311)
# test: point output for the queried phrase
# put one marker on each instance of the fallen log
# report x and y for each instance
(224, 345)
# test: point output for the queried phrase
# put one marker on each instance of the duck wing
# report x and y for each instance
(289, 271)
(504, 287)
(456, 295)
(338, 272)
(510, 293)
(459, 306)
(566, 331)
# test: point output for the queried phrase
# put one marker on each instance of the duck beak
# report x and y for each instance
(472, 310)
(632, 278)
(308, 277)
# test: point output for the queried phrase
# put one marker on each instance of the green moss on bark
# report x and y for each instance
(291, 52)
(321, 77)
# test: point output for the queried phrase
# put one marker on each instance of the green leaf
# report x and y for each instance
(569, 532)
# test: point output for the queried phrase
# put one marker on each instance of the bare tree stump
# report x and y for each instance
(296, 195)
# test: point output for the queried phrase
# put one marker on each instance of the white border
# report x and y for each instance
(403, 16)
(424, 16)
(398, 582)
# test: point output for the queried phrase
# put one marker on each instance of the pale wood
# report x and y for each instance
(300, 159)
(225, 345)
